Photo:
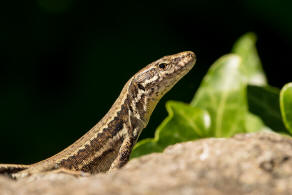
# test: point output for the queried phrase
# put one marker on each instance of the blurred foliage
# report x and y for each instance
(264, 102)
(222, 93)
(224, 102)
(245, 47)
(286, 105)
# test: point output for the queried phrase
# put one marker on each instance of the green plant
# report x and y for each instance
(234, 97)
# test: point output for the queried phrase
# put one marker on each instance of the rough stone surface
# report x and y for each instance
(257, 163)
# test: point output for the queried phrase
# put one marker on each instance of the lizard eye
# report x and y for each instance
(162, 66)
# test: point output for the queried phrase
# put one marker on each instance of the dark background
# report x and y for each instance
(64, 62)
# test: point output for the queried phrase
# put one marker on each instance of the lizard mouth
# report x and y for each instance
(185, 62)
(187, 59)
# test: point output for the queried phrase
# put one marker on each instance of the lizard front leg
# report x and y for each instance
(135, 127)
(124, 154)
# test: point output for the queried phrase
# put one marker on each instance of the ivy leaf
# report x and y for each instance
(223, 94)
(264, 102)
(145, 146)
(286, 105)
(183, 123)
(246, 48)
(253, 123)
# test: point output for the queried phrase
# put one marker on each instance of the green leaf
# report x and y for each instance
(246, 48)
(223, 94)
(286, 105)
(184, 123)
(264, 102)
(253, 123)
(145, 146)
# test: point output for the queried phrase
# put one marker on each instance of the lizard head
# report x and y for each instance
(160, 76)
(156, 79)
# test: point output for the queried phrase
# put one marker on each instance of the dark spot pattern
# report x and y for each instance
(103, 162)
(141, 87)
(10, 169)
(96, 144)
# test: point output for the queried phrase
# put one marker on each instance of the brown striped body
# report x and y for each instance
(109, 143)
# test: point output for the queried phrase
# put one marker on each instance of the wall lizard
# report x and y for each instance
(108, 144)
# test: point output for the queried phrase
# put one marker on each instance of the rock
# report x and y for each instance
(255, 163)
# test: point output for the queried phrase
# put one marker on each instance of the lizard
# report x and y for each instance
(107, 146)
